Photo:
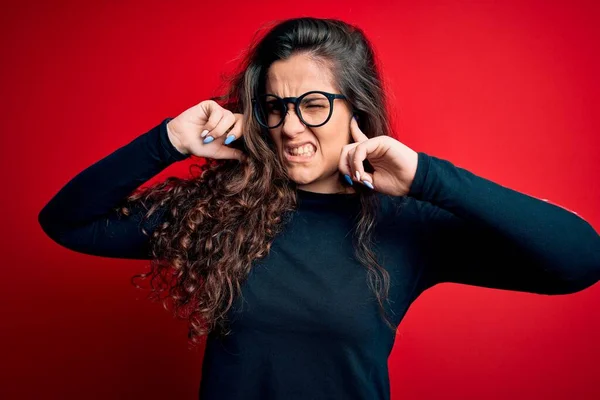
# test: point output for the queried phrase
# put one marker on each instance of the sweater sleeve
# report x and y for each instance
(481, 233)
(81, 216)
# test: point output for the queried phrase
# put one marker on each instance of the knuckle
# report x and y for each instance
(217, 112)
(357, 161)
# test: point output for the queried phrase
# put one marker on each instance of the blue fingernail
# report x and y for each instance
(229, 139)
(368, 184)
(208, 139)
(349, 180)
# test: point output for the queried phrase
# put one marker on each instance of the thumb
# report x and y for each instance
(229, 153)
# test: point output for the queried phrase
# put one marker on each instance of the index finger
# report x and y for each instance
(357, 134)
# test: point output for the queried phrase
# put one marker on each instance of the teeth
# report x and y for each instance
(306, 150)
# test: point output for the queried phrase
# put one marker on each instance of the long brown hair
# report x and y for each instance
(218, 221)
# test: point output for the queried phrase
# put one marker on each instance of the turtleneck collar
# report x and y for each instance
(308, 199)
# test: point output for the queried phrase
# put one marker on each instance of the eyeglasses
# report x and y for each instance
(314, 108)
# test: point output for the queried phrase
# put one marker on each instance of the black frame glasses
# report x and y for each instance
(296, 101)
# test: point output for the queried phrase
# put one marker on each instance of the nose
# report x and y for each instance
(291, 122)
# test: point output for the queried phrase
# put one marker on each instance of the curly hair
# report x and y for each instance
(218, 221)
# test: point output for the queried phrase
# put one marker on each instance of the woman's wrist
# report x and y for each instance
(175, 140)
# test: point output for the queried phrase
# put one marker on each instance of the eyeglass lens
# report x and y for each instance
(314, 109)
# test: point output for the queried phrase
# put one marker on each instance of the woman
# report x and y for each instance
(302, 244)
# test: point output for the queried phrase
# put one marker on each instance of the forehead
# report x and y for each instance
(296, 75)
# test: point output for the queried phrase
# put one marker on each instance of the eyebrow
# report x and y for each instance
(312, 90)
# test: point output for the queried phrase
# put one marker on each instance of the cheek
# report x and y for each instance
(332, 142)
(275, 139)
(331, 152)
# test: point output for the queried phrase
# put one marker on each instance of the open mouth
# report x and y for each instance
(305, 153)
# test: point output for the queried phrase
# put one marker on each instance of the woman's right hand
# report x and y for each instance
(208, 118)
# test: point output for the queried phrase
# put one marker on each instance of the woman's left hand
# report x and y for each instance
(395, 164)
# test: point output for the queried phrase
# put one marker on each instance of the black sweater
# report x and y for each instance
(308, 326)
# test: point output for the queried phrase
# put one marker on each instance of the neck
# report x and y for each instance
(331, 186)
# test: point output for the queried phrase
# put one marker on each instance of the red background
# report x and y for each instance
(508, 90)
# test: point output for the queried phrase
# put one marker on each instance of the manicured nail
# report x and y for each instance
(230, 138)
(204, 132)
(348, 179)
(358, 175)
(368, 184)
(209, 139)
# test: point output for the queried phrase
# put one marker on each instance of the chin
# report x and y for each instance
(301, 180)
(303, 176)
